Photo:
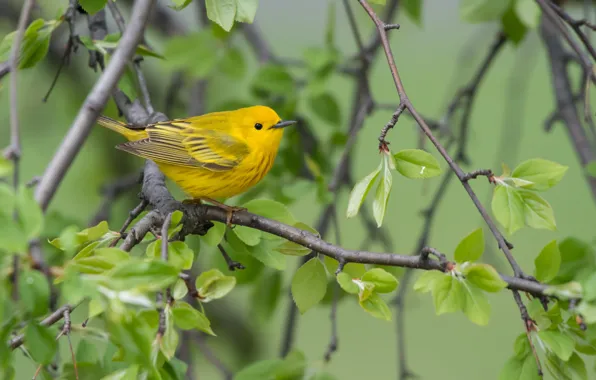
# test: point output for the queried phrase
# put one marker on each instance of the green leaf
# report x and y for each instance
(577, 258)
(416, 164)
(213, 285)
(449, 295)
(376, 306)
(520, 369)
(86, 352)
(383, 191)
(270, 209)
(246, 10)
(384, 281)
(538, 174)
(266, 294)
(309, 284)
(215, 234)
(34, 292)
(413, 9)
(222, 12)
(40, 342)
(485, 277)
(354, 270)
(345, 281)
(30, 215)
(92, 6)
(232, 63)
(12, 238)
(427, 280)
(35, 43)
(5, 167)
(471, 247)
(128, 83)
(292, 367)
(538, 212)
(548, 262)
(512, 26)
(558, 343)
(187, 318)
(528, 12)
(274, 79)
(261, 370)
(250, 236)
(194, 53)
(360, 191)
(330, 25)
(141, 275)
(574, 368)
(508, 207)
(326, 107)
(565, 291)
(476, 305)
(169, 341)
(266, 253)
(130, 373)
(179, 290)
(179, 254)
(477, 11)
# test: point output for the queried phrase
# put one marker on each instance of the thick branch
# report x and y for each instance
(93, 105)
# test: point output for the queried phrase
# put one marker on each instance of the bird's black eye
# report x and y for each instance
(258, 126)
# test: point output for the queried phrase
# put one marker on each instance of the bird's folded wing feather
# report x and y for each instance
(177, 143)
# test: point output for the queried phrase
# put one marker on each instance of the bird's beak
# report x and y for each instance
(283, 124)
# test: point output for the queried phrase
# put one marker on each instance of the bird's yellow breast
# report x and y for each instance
(199, 182)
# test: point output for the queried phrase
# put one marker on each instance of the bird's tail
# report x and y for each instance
(121, 128)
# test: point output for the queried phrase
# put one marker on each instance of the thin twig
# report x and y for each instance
(576, 26)
(48, 321)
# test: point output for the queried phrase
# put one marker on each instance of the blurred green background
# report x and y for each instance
(434, 60)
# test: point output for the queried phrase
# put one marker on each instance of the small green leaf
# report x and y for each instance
(413, 9)
(309, 284)
(476, 305)
(569, 290)
(345, 281)
(215, 234)
(246, 10)
(270, 209)
(34, 292)
(169, 341)
(574, 368)
(416, 164)
(326, 107)
(232, 63)
(485, 277)
(559, 343)
(93, 6)
(264, 369)
(266, 253)
(520, 369)
(35, 43)
(30, 215)
(538, 212)
(222, 12)
(360, 191)
(384, 281)
(274, 79)
(426, 281)
(548, 262)
(41, 343)
(180, 255)
(179, 290)
(187, 318)
(213, 285)
(354, 270)
(471, 247)
(141, 275)
(449, 295)
(538, 174)
(376, 306)
(477, 11)
(292, 367)
(5, 167)
(250, 236)
(528, 12)
(383, 191)
(512, 26)
(508, 207)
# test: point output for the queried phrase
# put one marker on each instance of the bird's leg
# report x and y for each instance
(229, 209)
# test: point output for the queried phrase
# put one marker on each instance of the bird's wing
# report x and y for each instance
(178, 143)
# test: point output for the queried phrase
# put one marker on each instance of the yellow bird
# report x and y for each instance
(216, 155)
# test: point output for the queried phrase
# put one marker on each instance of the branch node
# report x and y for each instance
(477, 173)
(232, 265)
(391, 26)
(340, 266)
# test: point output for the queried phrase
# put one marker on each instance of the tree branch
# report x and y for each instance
(93, 105)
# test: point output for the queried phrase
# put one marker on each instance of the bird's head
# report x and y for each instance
(262, 125)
